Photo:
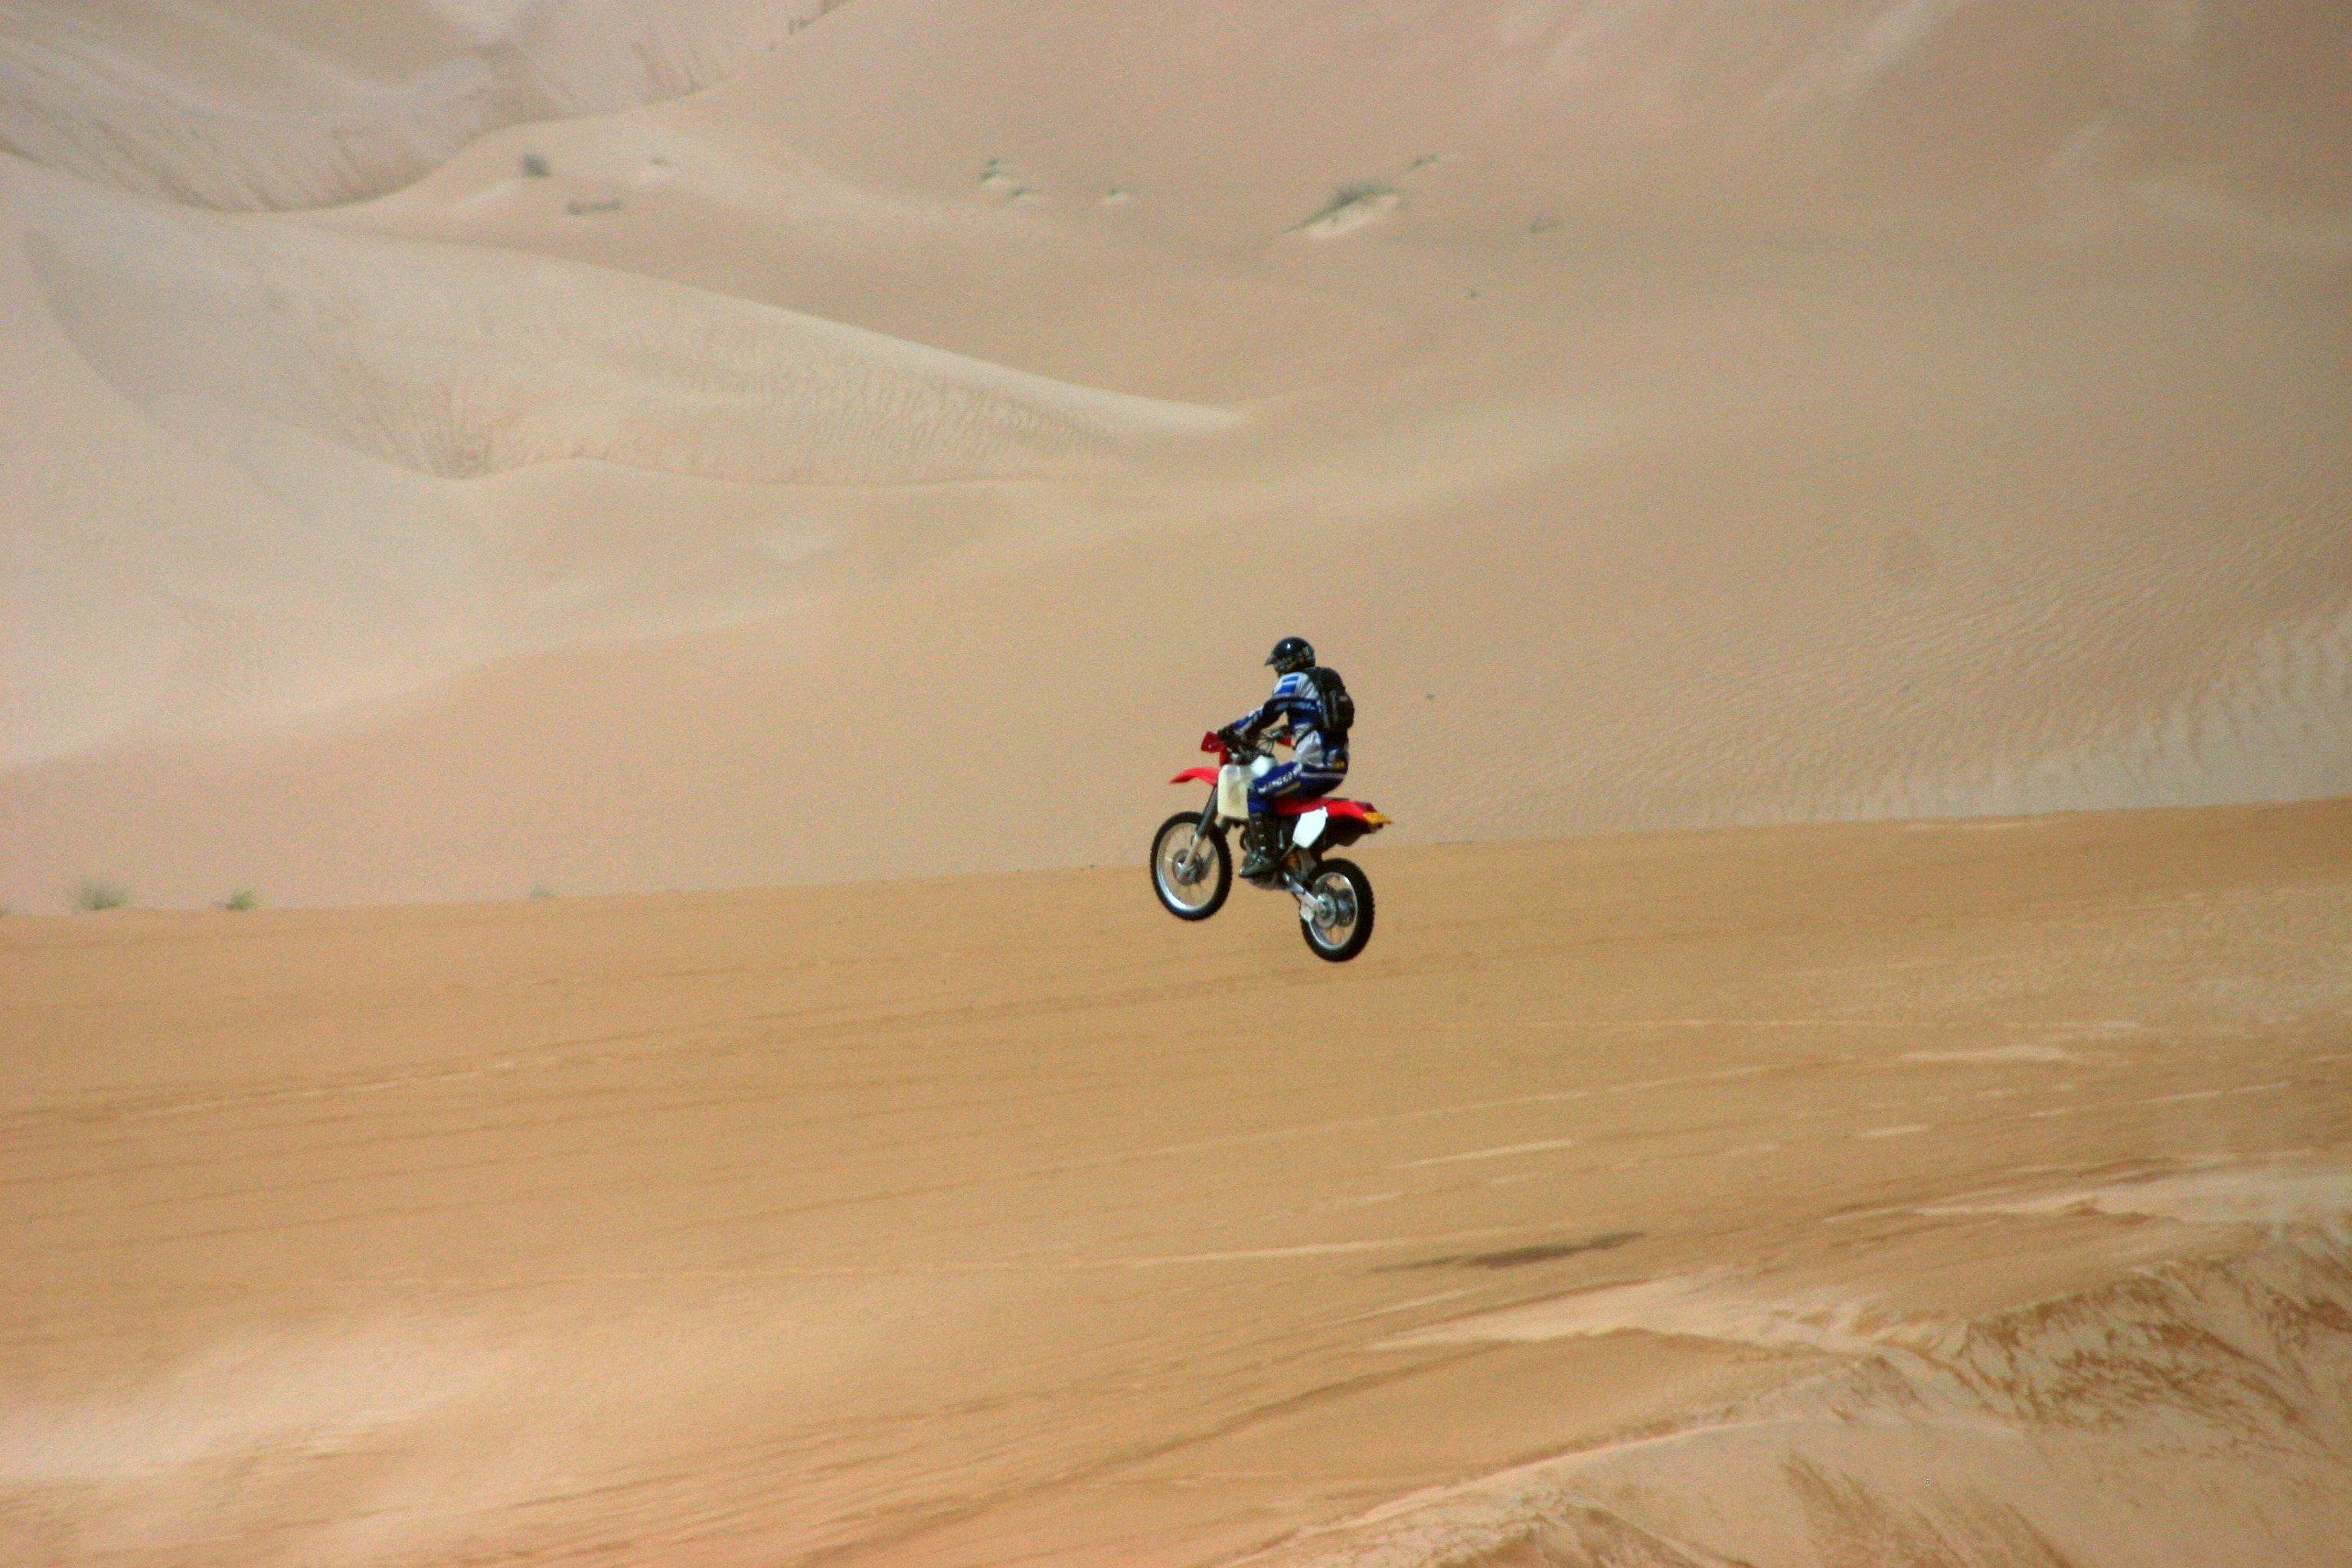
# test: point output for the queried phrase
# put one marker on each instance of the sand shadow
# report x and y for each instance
(1517, 1256)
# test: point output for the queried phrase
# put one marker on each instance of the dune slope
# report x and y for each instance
(1805, 410)
(237, 105)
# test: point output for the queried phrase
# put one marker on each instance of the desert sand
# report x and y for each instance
(1923, 1193)
(1838, 518)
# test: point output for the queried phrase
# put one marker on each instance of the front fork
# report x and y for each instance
(1202, 829)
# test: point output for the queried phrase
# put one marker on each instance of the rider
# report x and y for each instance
(1319, 757)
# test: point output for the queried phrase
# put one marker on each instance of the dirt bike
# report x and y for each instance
(1192, 870)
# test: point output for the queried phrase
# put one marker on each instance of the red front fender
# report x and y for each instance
(1195, 775)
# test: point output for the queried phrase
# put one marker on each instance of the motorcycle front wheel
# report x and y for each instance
(1192, 883)
(1341, 920)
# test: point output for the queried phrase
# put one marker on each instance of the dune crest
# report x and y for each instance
(308, 106)
(337, 402)
(2184, 1415)
(460, 361)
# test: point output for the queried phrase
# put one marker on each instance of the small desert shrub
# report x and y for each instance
(534, 168)
(541, 890)
(94, 896)
(1005, 180)
(242, 899)
(1347, 198)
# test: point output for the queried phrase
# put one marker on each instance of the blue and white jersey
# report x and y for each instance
(1298, 707)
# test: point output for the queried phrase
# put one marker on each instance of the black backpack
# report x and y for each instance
(1338, 708)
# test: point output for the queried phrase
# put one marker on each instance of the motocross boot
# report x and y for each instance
(1260, 845)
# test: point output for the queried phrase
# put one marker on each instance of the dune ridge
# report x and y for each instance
(2179, 1416)
(343, 395)
(457, 362)
(305, 110)
(1819, 408)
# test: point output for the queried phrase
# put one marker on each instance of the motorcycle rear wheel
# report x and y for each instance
(1348, 892)
(1211, 876)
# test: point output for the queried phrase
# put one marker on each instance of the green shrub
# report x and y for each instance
(242, 899)
(93, 896)
(1347, 198)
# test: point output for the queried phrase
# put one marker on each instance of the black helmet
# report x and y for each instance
(1292, 653)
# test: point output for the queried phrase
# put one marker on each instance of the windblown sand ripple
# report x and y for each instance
(1005, 1219)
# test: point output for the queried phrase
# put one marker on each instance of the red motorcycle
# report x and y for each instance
(1191, 869)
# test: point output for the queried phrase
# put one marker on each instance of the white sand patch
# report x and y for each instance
(1709, 1306)
(1997, 1054)
(2268, 1195)
(2190, 1096)
(323, 1391)
(1504, 1152)
(2099, 1029)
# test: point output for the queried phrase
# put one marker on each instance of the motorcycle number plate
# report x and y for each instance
(1310, 827)
(1232, 792)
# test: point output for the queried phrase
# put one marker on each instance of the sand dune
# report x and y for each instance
(1793, 411)
(1788, 411)
(1005, 1219)
(335, 384)
(457, 362)
(236, 104)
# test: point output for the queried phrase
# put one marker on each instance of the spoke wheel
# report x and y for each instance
(1191, 879)
(1340, 922)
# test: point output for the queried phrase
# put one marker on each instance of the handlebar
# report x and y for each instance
(1235, 747)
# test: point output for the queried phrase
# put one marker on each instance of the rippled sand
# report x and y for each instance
(1817, 1196)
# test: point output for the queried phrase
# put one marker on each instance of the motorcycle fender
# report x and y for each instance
(1310, 827)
